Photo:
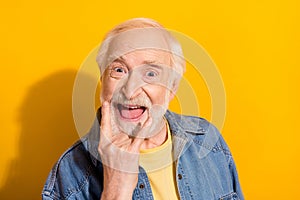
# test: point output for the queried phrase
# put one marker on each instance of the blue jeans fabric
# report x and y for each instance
(205, 169)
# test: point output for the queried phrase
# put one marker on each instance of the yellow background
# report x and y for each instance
(255, 45)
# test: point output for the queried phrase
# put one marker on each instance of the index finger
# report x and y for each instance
(105, 126)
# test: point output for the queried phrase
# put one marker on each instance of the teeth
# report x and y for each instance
(131, 107)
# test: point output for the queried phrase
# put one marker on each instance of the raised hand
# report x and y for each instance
(120, 157)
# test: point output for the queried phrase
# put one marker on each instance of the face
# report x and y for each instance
(139, 85)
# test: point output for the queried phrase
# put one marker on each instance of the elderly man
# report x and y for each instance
(137, 149)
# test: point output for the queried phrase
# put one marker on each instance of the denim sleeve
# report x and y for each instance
(44, 197)
(233, 170)
(235, 179)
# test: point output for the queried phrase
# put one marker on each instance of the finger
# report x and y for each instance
(136, 144)
(122, 144)
(105, 120)
(120, 138)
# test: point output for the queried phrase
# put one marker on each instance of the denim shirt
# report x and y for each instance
(205, 169)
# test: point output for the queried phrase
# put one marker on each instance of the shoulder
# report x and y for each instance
(70, 174)
(192, 124)
(199, 131)
(206, 153)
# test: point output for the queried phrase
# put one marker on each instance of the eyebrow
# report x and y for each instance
(153, 63)
(119, 60)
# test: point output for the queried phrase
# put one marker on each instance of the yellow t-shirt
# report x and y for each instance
(160, 169)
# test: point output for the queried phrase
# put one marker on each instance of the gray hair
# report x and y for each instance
(139, 23)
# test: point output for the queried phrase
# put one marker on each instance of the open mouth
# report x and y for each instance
(131, 112)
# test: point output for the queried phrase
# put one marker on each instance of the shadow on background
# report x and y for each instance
(47, 130)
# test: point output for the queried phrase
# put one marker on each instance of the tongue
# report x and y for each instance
(131, 114)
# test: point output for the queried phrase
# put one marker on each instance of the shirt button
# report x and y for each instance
(141, 186)
(179, 176)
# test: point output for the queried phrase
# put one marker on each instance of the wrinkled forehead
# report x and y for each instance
(151, 39)
(146, 56)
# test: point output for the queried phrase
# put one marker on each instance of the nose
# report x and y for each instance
(133, 85)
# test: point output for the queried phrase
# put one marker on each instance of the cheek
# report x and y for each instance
(158, 95)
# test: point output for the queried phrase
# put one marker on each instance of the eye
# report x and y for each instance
(151, 74)
(117, 70)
